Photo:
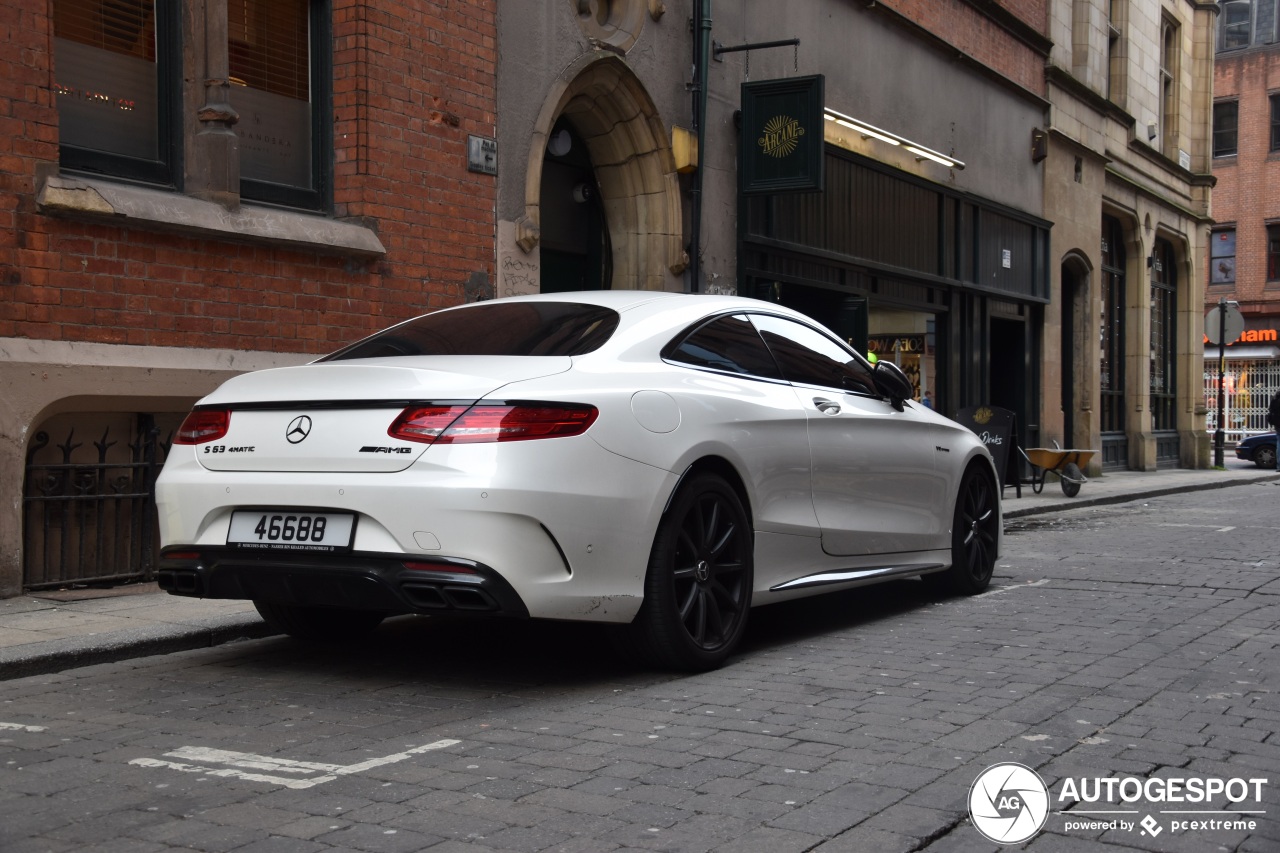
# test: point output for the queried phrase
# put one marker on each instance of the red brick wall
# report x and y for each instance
(411, 81)
(977, 35)
(1247, 193)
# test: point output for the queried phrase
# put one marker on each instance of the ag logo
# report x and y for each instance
(1008, 803)
(299, 428)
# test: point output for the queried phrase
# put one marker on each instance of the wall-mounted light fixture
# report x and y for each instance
(870, 131)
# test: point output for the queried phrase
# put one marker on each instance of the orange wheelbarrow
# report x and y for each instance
(1067, 464)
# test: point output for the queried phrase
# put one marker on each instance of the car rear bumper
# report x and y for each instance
(563, 523)
(380, 582)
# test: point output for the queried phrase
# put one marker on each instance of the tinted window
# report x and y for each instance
(728, 343)
(493, 328)
(809, 357)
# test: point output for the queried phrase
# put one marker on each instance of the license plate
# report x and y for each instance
(283, 530)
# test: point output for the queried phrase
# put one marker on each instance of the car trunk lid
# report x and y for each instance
(334, 416)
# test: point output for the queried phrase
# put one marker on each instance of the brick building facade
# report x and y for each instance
(196, 188)
(1244, 263)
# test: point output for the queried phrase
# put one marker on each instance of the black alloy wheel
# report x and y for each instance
(698, 586)
(975, 530)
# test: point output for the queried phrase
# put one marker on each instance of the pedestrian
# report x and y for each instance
(1273, 413)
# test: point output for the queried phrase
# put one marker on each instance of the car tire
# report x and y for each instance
(1264, 456)
(333, 624)
(698, 585)
(974, 532)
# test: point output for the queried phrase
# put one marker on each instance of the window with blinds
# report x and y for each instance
(119, 78)
(111, 95)
(268, 46)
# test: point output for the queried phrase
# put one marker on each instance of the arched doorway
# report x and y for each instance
(622, 150)
(576, 246)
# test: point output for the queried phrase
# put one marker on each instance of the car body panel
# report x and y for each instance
(879, 484)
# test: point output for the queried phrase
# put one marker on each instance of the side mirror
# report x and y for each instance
(892, 383)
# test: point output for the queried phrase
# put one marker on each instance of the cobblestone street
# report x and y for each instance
(1130, 642)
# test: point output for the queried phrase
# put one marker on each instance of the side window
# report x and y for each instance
(808, 357)
(730, 344)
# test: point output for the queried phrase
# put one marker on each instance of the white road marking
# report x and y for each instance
(19, 727)
(1012, 587)
(239, 764)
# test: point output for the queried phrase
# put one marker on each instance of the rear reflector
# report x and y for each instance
(487, 423)
(203, 425)
(439, 567)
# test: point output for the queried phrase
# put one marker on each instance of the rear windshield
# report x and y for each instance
(493, 328)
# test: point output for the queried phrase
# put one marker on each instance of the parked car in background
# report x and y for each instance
(1258, 449)
(662, 462)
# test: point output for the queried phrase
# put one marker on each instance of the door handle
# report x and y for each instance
(827, 407)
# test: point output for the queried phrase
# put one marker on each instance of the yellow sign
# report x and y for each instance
(781, 136)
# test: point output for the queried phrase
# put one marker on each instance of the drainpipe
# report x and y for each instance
(701, 57)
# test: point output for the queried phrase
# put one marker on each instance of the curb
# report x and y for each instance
(61, 655)
(1081, 503)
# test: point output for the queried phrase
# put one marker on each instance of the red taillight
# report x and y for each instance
(486, 422)
(424, 423)
(203, 425)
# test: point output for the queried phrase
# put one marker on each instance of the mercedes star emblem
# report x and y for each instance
(299, 428)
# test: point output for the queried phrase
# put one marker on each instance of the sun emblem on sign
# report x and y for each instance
(781, 136)
(982, 415)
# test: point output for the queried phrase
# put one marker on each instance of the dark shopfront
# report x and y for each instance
(948, 285)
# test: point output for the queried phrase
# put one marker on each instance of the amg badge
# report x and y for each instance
(368, 448)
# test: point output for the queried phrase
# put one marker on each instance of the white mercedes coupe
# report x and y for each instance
(663, 462)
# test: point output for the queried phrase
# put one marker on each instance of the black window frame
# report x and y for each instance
(1221, 133)
(1273, 252)
(1275, 122)
(319, 54)
(1228, 278)
(1235, 35)
(166, 169)
(1163, 369)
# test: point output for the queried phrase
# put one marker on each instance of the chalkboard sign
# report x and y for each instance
(998, 429)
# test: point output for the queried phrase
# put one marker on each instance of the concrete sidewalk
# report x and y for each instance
(51, 631)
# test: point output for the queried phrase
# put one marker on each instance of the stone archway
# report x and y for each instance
(626, 137)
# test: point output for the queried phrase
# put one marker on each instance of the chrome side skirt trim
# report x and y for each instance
(879, 573)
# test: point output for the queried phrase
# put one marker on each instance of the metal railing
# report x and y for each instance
(91, 521)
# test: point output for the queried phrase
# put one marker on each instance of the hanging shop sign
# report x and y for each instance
(781, 144)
